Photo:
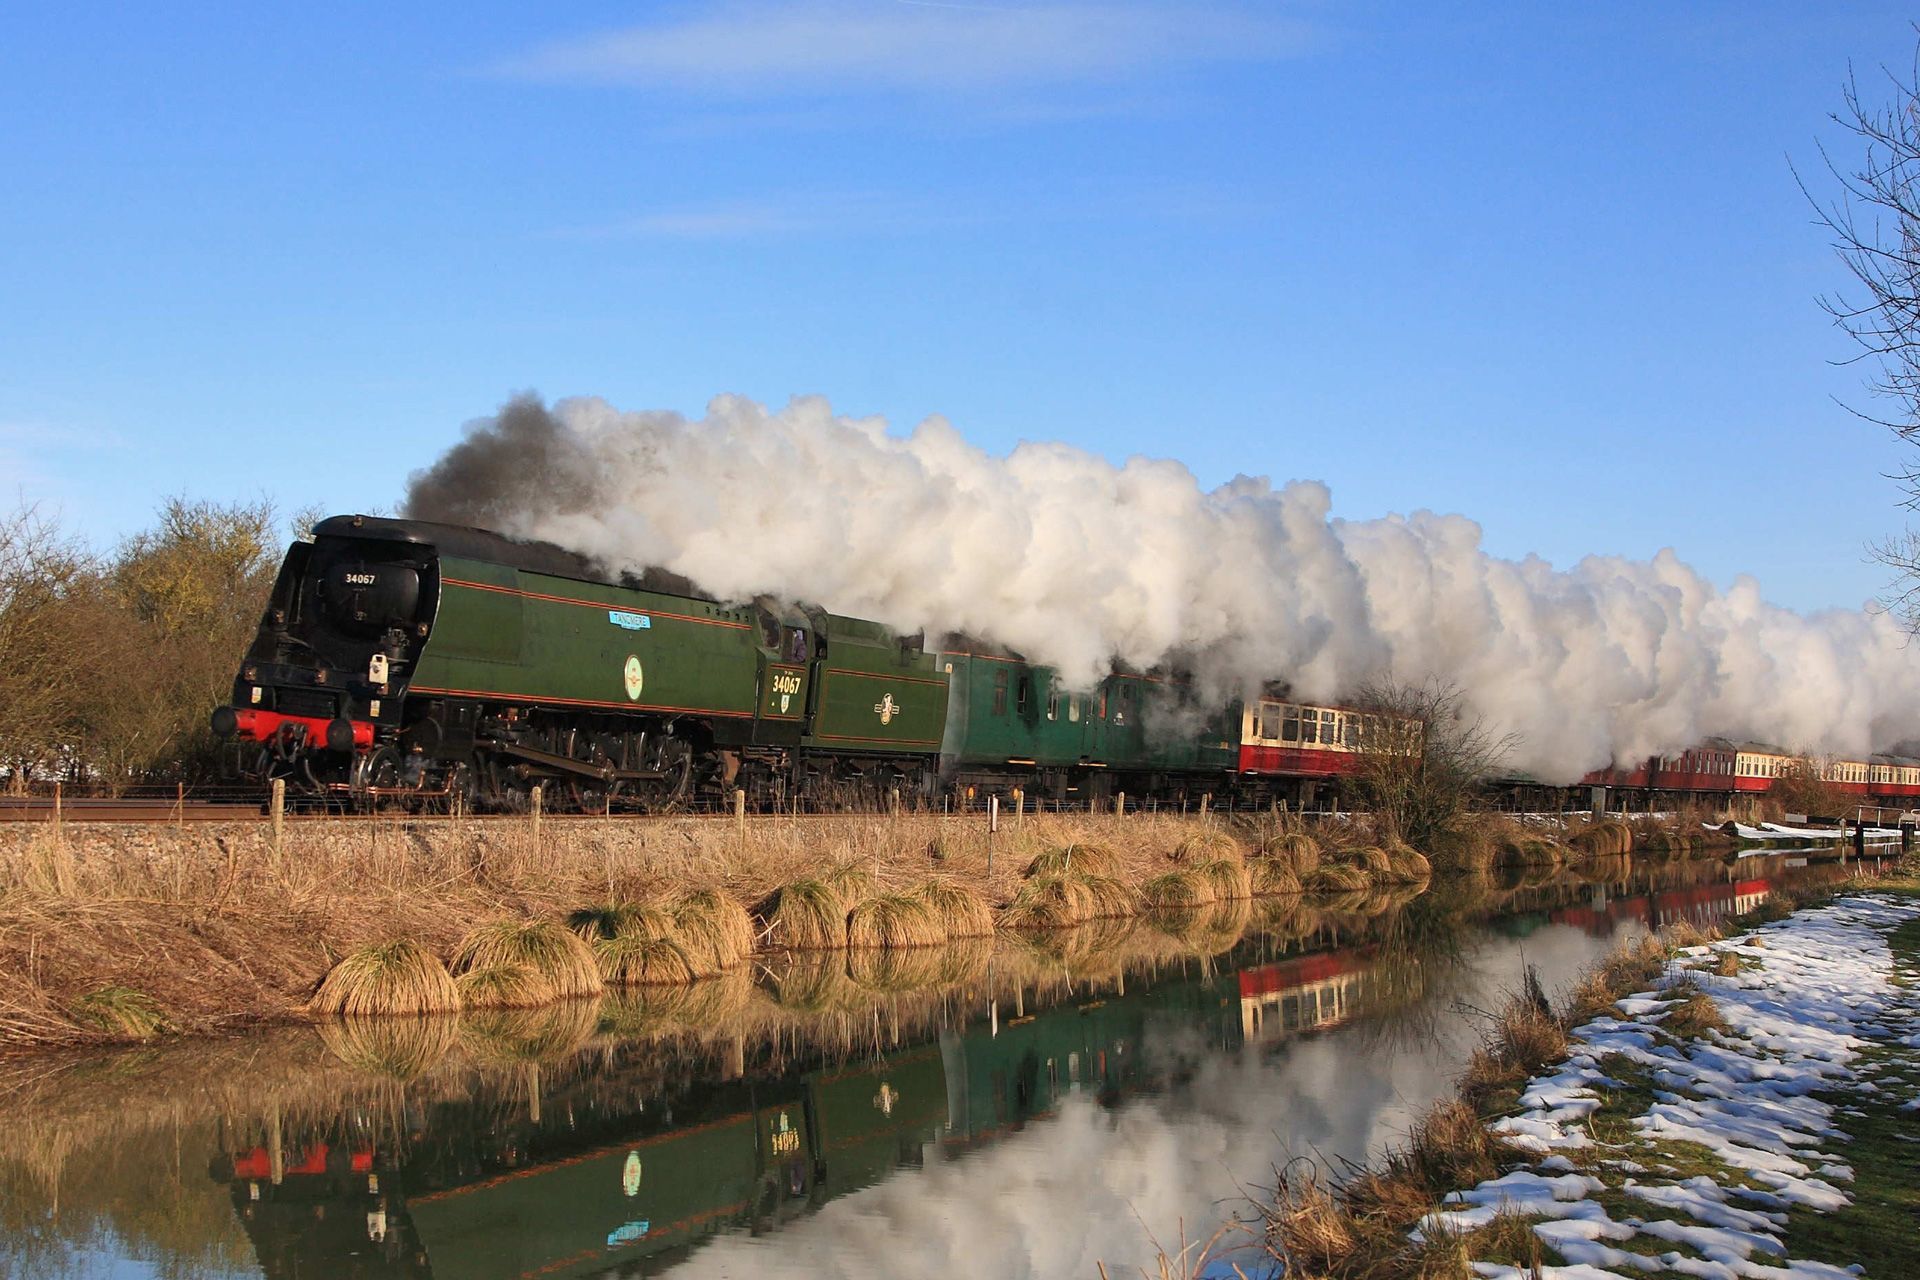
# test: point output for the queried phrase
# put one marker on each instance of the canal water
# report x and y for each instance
(1014, 1110)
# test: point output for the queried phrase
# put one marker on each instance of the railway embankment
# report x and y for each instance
(1735, 1103)
(121, 932)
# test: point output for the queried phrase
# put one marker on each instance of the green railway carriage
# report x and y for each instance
(1014, 723)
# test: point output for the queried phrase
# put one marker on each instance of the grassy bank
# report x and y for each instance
(1378, 1222)
(113, 933)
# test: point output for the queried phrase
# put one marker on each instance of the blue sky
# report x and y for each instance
(1544, 267)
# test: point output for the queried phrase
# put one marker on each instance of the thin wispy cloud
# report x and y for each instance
(775, 214)
(753, 49)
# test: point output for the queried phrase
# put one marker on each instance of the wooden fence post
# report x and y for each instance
(277, 806)
(1120, 804)
(533, 810)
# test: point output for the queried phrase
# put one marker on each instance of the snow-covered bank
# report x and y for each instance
(1684, 1153)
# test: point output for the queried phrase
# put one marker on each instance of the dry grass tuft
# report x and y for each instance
(1371, 859)
(960, 911)
(1226, 878)
(517, 963)
(1335, 877)
(123, 1012)
(402, 1049)
(379, 981)
(1178, 891)
(714, 929)
(1684, 933)
(1208, 845)
(1295, 848)
(1726, 964)
(1273, 875)
(893, 921)
(1052, 902)
(1109, 898)
(1074, 859)
(1695, 1016)
(807, 915)
(634, 944)
(1608, 837)
(1312, 1229)
(1407, 865)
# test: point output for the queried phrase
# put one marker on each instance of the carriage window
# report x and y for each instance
(1126, 700)
(1000, 692)
(1024, 695)
(1290, 727)
(1053, 703)
(1073, 708)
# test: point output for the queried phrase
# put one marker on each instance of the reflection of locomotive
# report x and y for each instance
(480, 1189)
(406, 659)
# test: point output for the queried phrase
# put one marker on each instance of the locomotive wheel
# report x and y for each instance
(590, 796)
(379, 770)
(673, 758)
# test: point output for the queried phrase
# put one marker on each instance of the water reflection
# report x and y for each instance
(1022, 1109)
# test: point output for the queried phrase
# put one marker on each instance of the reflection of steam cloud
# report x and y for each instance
(1059, 554)
(1078, 1187)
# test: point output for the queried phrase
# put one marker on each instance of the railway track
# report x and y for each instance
(42, 809)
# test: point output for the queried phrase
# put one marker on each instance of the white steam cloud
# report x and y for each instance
(1060, 555)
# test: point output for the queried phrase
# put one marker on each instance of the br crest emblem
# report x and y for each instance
(887, 709)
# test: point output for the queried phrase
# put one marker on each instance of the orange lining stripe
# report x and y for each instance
(884, 742)
(576, 702)
(589, 604)
(875, 675)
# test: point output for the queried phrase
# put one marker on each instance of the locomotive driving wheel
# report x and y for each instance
(591, 795)
(672, 758)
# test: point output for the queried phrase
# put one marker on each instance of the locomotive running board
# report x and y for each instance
(567, 764)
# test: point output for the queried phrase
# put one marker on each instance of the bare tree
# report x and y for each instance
(47, 581)
(1423, 757)
(1874, 218)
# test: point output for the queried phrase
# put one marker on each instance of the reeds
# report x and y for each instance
(388, 979)
(1182, 890)
(714, 929)
(960, 911)
(1207, 845)
(807, 915)
(894, 921)
(1080, 858)
(122, 1012)
(1296, 848)
(1605, 837)
(1050, 902)
(521, 963)
(1226, 878)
